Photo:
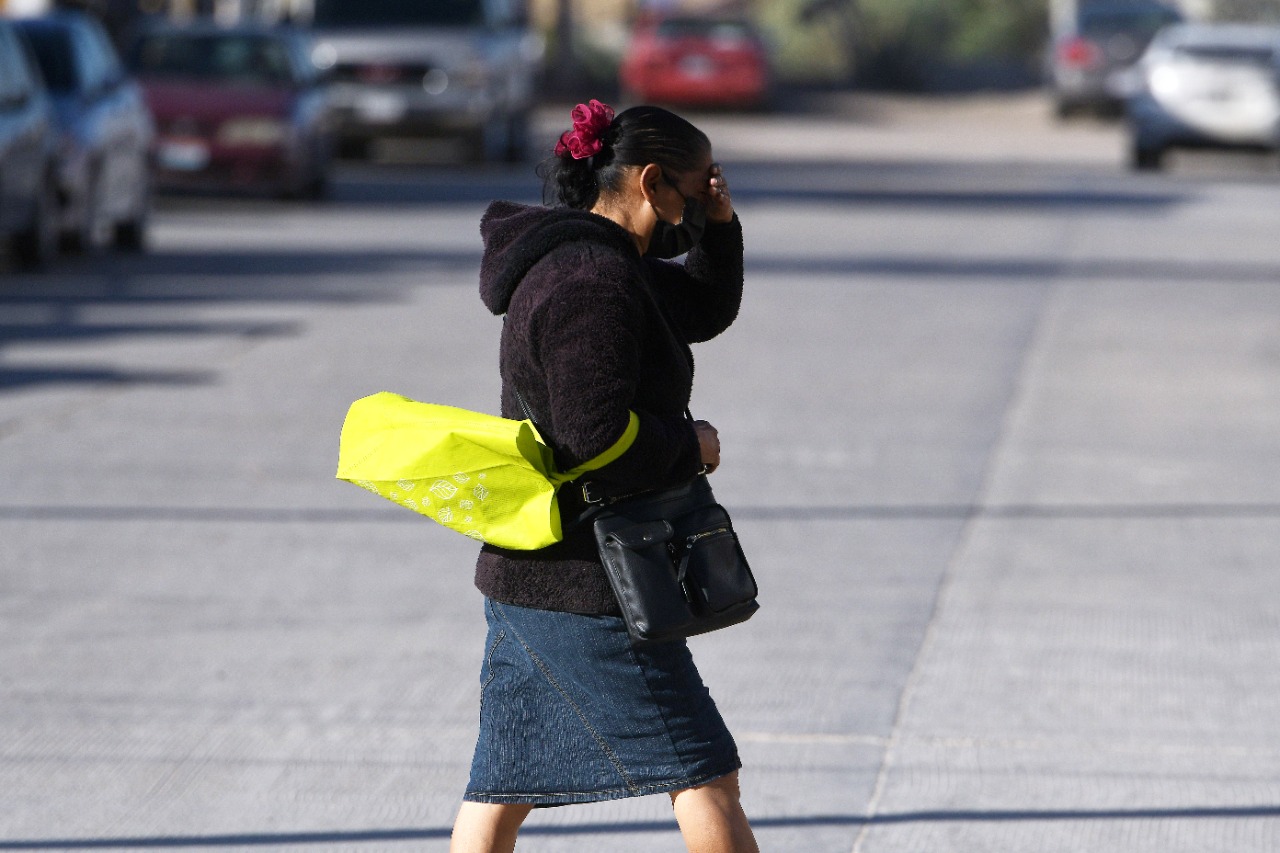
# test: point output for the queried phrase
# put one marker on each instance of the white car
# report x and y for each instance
(1206, 86)
(411, 69)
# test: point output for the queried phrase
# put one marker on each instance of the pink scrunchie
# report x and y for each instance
(590, 121)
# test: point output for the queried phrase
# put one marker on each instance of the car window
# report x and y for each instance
(699, 28)
(1228, 53)
(105, 51)
(52, 49)
(237, 58)
(392, 13)
(94, 65)
(15, 81)
(1101, 23)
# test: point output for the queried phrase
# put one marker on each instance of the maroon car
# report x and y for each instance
(236, 109)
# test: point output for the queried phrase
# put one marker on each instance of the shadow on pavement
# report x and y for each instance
(844, 181)
(440, 833)
(990, 270)
(903, 512)
(58, 307)
(19, 377)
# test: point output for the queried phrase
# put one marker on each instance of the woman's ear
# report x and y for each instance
(650, 175)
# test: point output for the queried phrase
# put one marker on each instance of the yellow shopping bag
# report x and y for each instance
(487, 477)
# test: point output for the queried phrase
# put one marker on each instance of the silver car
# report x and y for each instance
(28, 157)
(1093, 43)
(1206, 86)
(104, 128)
(461, 69)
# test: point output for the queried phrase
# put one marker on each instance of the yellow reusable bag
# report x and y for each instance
(487, 477)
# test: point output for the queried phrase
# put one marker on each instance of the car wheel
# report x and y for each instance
(37, 246)
(131, 234)
(1146, 158)
(311, 185)
(353, 149)
(317, 188)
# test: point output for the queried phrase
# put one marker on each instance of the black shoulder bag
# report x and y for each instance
(672, 558)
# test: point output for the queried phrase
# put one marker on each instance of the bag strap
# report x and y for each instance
(593, 494)
(619, 447)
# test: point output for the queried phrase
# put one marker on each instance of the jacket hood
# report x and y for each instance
(517, 236)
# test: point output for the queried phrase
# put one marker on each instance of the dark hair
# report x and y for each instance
(636, 137)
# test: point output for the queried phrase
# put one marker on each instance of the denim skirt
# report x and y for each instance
(571, 712)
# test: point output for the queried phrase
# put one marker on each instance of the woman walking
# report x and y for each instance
(597, 327)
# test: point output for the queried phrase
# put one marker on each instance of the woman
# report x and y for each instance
(597, 327)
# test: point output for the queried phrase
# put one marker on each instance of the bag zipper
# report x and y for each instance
(695, 538)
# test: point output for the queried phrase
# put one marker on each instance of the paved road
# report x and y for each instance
(1000, 435)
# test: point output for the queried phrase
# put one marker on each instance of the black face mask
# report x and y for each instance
(671, 241)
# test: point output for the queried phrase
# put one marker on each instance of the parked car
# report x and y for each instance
(464, 70)
(696, 61)
(28, 140)
(236, 109)
(1093, 46)
(104, 132)
(1206, 86)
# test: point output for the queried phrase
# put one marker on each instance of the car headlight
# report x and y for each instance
(1165, 82)
(324, 56)
(252, 131)
(435, 81)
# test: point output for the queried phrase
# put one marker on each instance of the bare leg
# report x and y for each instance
(487, 827)
(711, 818)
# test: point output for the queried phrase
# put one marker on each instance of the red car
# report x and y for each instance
(686, 61)
(238, 108)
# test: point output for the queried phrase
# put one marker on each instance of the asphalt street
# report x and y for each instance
(999, 424)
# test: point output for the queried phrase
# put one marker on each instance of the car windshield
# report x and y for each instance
(1144, 22)
(676, 28)
(53, 53)
(1228, 53)
(394, 13)
(234, 58)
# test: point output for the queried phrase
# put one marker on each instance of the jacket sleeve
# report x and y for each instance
(703, 296)
(585, 343)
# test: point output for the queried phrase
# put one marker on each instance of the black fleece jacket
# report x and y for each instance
(594, 331)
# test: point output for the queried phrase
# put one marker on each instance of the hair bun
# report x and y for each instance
(590, 123)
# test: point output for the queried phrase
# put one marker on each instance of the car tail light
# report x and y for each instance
(1079, 53)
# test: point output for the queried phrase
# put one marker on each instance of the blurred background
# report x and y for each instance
(263, 96)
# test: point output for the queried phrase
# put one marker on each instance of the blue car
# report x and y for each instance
(105, 132)
(28, 190)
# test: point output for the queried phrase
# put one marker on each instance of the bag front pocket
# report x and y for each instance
(638, 562)
(713, 569)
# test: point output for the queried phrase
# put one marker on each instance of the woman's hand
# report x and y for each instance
(719, 204)
(708, 445)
